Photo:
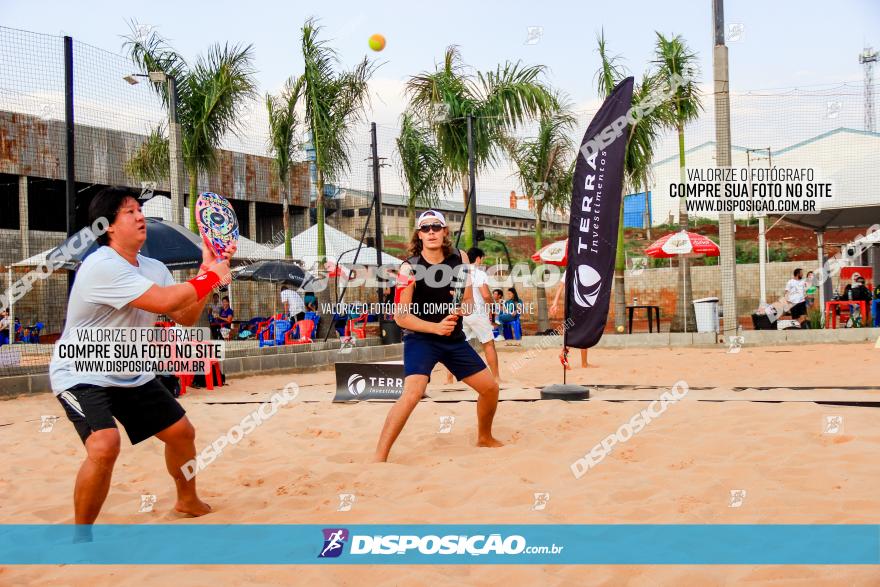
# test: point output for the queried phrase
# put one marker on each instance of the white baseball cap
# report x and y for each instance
(431, 215)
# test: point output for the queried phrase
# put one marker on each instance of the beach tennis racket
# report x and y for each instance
(217, 222)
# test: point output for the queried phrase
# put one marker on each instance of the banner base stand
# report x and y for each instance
(565, 391)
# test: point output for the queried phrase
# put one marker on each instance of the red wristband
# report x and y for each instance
(204, 283)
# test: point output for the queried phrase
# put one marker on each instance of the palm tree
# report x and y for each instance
(283, 121)
(677, 63)
(421, 167)
(639, 152)
(210, 97)
(544, 166)
(331, 102)
(498, 100)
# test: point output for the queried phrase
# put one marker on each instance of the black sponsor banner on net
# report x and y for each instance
(364, 381)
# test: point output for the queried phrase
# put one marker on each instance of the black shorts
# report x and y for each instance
(143, 411)
(798, 310)
(421, 354)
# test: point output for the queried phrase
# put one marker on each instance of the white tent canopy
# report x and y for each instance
(248, 251)
(341, 248)
(35, 260)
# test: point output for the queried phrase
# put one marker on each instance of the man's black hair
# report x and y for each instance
(498, 291)
(106, 204)
(475, 252)
(796, 271)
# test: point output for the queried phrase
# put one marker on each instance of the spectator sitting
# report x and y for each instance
(225, 318)
(812, 290)
(4, 327)
(856, 292)
(311, 301)
(511, 308)
(875, 307)
(214, 316)
(294, 306)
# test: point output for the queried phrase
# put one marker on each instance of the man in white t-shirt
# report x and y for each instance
(795, 295)
(118, 287)
(294, 305)
(477, 324)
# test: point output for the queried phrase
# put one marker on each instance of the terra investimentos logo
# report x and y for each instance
(587, 285)
(356, 384)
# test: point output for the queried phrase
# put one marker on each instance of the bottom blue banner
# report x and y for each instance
(440, 544)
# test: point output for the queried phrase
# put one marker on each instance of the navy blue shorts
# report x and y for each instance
(421, 354)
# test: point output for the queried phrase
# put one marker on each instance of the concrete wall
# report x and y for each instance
(34, 147)
(658, 287)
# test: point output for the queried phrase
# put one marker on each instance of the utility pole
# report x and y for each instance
(726, 225)
(868, 58)
(175, 147)
(472, 191)
(377, 197)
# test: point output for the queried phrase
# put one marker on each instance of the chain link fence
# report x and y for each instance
(117, 113)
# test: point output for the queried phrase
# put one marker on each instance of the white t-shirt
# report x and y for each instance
(105, 285)
(479, 278)
(796, 290)
(294, 301)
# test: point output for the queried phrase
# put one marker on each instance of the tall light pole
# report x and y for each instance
(726, 226)
(175, 144)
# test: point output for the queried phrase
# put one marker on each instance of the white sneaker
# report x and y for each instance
(499, 338)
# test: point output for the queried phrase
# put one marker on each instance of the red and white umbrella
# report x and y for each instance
(553, 254)
(682, 243)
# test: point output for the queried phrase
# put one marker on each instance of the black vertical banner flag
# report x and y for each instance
(595, 215)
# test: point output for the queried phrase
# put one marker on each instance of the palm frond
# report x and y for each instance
(611, 71)
(151, 161)
(332, 101)
(152, 53)
(421, 166)
(544, 162)
(218, 85)
(283, 123)
(675, 60)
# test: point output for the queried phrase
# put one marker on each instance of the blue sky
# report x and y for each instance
(806, 44)
(783, 44)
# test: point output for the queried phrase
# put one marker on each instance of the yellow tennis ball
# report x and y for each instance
(620, 329)
(377, 42)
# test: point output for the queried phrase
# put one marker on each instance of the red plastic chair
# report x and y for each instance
(358, 326)
(213, 377)
(304, 328)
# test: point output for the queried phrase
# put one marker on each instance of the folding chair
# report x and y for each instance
(303, 329)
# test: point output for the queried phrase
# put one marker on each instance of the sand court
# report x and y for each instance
(725, 435)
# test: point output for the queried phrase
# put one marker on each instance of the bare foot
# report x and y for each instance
(489, 442)
(195, 507)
